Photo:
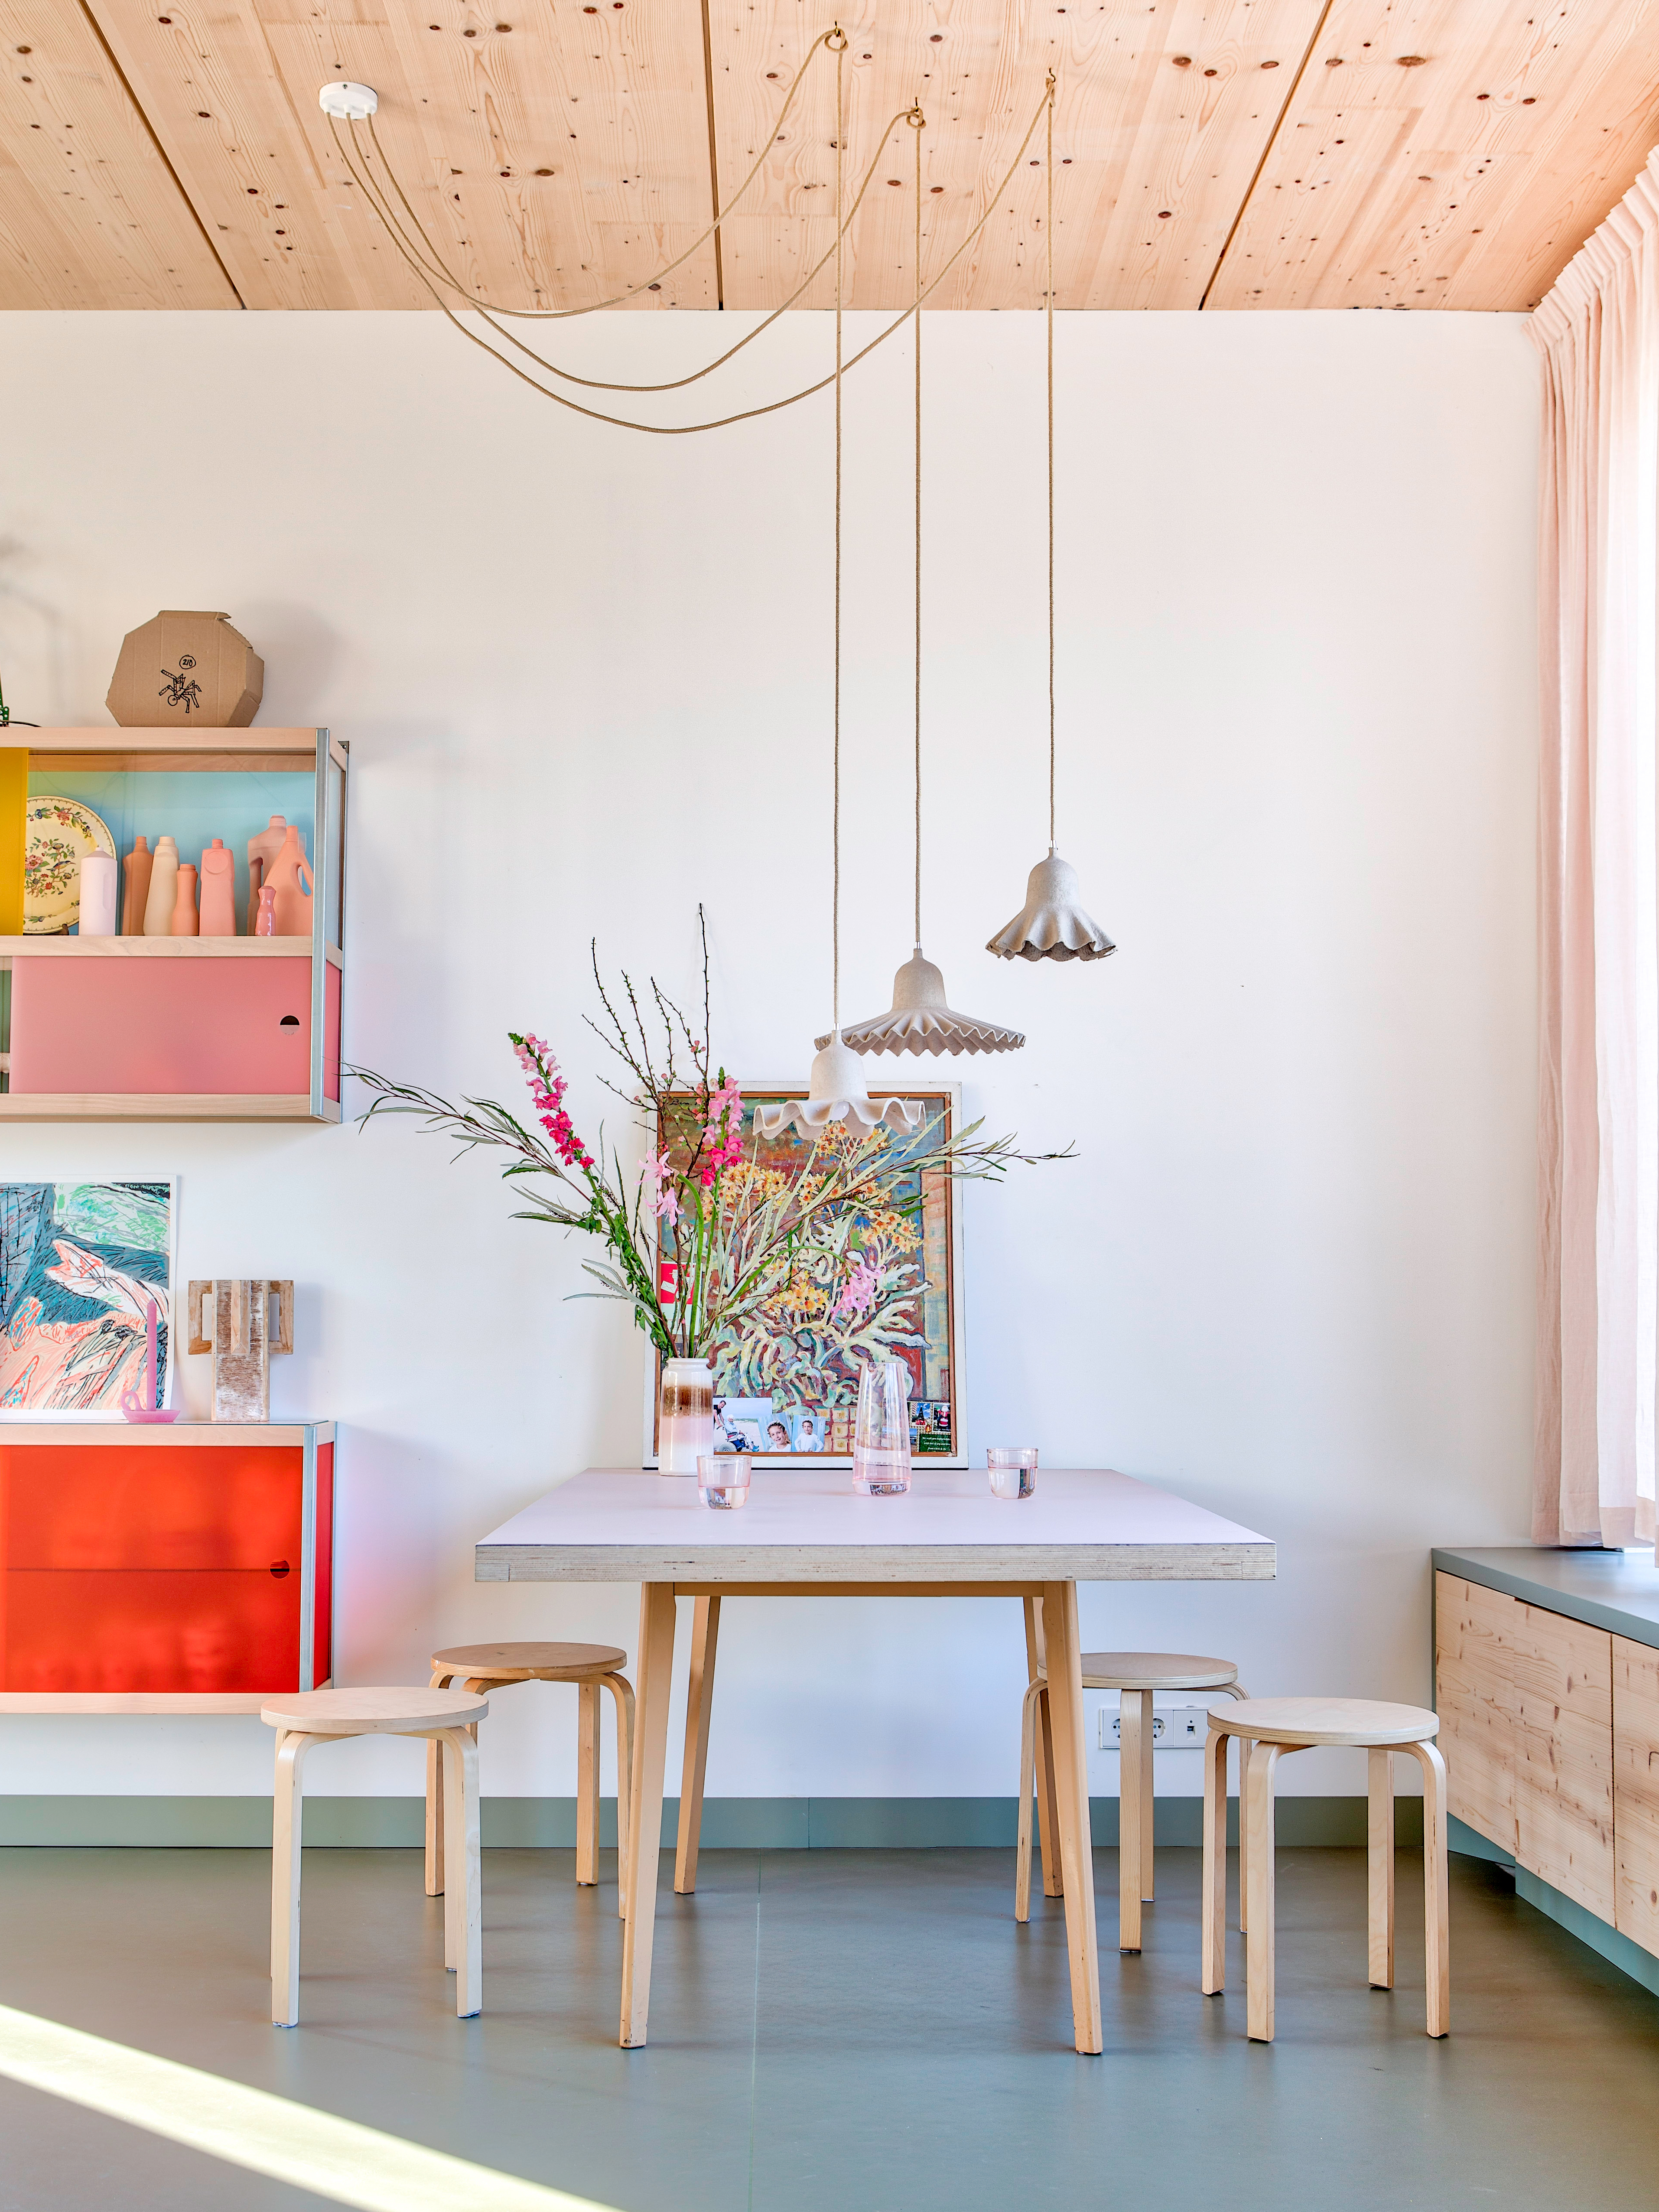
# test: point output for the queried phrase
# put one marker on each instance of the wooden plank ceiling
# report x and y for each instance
(1233, 153)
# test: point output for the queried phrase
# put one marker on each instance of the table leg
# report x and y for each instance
(463, 1902)
(1048, 1830)
(699, 1702)
(587, 1784)
(287, 1801)
(645, 1811)
(1064, 1653)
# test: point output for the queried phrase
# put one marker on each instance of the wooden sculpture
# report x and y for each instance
(233, 1321)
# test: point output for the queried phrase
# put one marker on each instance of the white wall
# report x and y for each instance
(585, 681)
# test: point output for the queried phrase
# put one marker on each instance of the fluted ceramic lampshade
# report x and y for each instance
(1052, 925)
(920, 1020)
(837, 1092)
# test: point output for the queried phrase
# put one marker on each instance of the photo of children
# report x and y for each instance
(806, 1432)
(740, 1424)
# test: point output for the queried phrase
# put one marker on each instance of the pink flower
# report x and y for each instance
(724, 1106)
(665, 1198)
(547, 1090)
(862, 1284)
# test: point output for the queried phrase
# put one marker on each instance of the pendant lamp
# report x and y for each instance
(836, 1090)
(1053, 924)
(920, 1019)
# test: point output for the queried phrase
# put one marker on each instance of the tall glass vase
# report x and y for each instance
(881, 1436)
(685, 1415)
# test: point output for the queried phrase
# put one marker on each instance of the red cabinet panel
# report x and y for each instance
(104, 1505)
(151, 1630)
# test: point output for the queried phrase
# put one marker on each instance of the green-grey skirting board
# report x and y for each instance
(734, 1823)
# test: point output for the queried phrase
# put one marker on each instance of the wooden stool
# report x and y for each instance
(1136, 1675)
(1276, 1725)
(447, 1717)
(481, 1667)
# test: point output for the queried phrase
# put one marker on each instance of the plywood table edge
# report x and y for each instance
(862, 1564)
(1589, 1613)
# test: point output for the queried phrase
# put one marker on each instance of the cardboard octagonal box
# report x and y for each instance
(185, 670)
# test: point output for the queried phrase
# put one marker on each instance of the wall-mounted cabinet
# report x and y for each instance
(226, 1029)
(164, 1568)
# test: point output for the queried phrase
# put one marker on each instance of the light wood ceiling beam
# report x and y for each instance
(89, 215)
(1163, 114)
(1448, 154)
(555, 154)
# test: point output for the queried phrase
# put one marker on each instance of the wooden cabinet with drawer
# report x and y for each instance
(1635, 1789)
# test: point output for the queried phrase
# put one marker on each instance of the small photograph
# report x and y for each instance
(777, 1434)
(741, 1423)
(930, 1425)
(808, 1432)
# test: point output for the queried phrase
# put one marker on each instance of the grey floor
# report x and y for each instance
(840, 2032)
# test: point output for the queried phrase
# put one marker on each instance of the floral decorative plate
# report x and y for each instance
(58, 834)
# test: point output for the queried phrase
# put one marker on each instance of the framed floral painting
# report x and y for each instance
(884, 1286)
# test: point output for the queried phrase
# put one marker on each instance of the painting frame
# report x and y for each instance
(945, 1098)
(112, 1266)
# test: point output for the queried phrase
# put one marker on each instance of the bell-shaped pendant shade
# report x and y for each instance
(920, 1020)
(837, 1092)
(1052, 924)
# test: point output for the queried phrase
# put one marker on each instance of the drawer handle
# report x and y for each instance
(288, 1022)
(279, 1568)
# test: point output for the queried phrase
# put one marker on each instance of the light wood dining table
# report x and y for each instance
(809, 1534)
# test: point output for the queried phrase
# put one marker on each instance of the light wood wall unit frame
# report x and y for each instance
(1547, 1680)
(66, 985)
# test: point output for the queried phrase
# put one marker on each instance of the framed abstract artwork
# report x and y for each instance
(787, 1375)
(81, 1266)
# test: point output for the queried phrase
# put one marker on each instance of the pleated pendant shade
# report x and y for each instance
(836, 1092)
(920, 1020)
(1052, 925)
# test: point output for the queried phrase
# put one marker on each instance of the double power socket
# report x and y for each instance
(1174, 1728)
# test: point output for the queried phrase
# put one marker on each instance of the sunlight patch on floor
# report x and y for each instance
(250, 2128)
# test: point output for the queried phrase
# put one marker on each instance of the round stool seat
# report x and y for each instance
(531, 1662)
(1155, 1670)
(1367, 1721)
(399, 1711)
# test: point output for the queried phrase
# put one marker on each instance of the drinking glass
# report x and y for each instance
(1013, 1469)
(723, 1479)
(881, 1438)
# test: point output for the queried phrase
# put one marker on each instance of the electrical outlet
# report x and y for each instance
(1174, 1728)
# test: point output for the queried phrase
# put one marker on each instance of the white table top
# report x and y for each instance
(614, 1525)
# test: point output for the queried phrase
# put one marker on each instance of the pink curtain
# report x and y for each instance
(1598, 1278)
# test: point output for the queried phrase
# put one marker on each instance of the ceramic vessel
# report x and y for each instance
(185, 922)
(264, 922)
(261, 852)
(163, 890)
(98, 873)
(140, 861)
(218, 890)
(685, 1417)
(58, 835)
(290, 877)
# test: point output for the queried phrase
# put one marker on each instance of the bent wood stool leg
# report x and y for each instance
(1065, 1670)
(645, 1813)
(1027, 1784)
(621, 1697)
(1259, 1943)
(1379, 1866)
(463, 1897)
(1435, 1918)
(587, 1784)
(1047, 1819)
(1212, 1956)
(698, 1703)
(1237, 1690)
(286, 1816)
(1133, 1759)
(442, 1679)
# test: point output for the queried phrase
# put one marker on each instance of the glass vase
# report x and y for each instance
(685, 1415)
(881, 1437)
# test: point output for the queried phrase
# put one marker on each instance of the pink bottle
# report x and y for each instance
(261, 852)
(184, 903)
(264, 923)
(218, 890)
(290, 877)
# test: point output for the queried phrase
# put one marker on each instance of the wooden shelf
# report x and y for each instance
(162, 1106)
(157, 751)
(162, 948)
(137, 1701)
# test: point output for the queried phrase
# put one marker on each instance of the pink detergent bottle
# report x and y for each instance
(184, 903)
(264, 923)
(218, 889)
(290, 877)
